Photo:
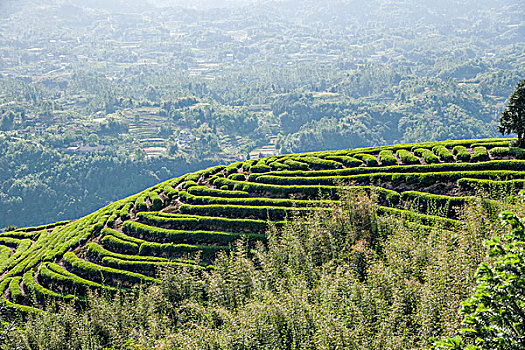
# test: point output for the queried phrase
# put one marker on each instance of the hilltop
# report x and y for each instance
(124, 243)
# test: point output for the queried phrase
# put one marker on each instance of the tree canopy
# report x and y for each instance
(512, 119)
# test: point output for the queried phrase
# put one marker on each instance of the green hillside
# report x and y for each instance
(125, 243)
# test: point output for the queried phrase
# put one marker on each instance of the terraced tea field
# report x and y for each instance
(125, 243)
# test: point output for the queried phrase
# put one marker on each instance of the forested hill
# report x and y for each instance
(126, 242)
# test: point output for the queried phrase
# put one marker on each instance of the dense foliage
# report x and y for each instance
(512, 119)
(345, 280)
(494, 317)
(40, 185)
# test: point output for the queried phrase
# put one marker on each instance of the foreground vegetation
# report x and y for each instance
(345, 279)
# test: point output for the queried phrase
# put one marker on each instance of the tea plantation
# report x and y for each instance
(125, 243)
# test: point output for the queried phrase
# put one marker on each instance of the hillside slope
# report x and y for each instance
(124, 244)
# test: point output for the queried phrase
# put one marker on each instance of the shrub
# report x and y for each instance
(427, 155)
(260, 167)
(319, 163)
(175, 250)
(368, 159)
(206, 191)
(295, 164)
(407, 157)
(278, 165)
(180, 221)
(247, 164)
(188, 184)
(443, 153)
(480, 154)
(42, 295)
(140, 204)
(386, 157)
(101, 273)
(53, 274)
(517, 152)
(461, 153)
(500, 152)
(237, 177)
(156, 202)
(493, 315)
(120, 245)
(14, 290)
(194, 236)
(349, 162)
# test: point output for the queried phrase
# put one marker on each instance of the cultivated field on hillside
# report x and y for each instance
(199, 214)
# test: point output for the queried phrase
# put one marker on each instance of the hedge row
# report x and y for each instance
(43, 227)
(119, 245)
(252, 201)
(279, 191)
(188, 184)
(448, 144)
(54, 275)
(435, 204)
(15, 292)
(124, 212)
(237, 177)
(176, 250)
(490, 165)
(443, 153)
(425, 219)
(489, 186)
(42, 294)
(427, 155)
(480, 154)
(202, 222)
(461, 153)
(140, 204)
(206, 191)
(147, 267)
(5, 253)
(11, 309)
(101, 273)
(500, 152)
(163, 235)
(368, 159)
(349, 162)
(277, 165)
(410, 178)
(17, 256)
(232, 168)
(21, 234)
(121, 236)
(386, 157)
(406, 157)
(320, 163)
(96, 252)
(236, 211)
(502, 143)
(156, 202)
(295, 164)
(260, 167)
(10, 242)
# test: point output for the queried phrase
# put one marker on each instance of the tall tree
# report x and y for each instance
(512, 119)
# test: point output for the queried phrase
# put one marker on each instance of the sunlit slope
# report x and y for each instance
(125, 243)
